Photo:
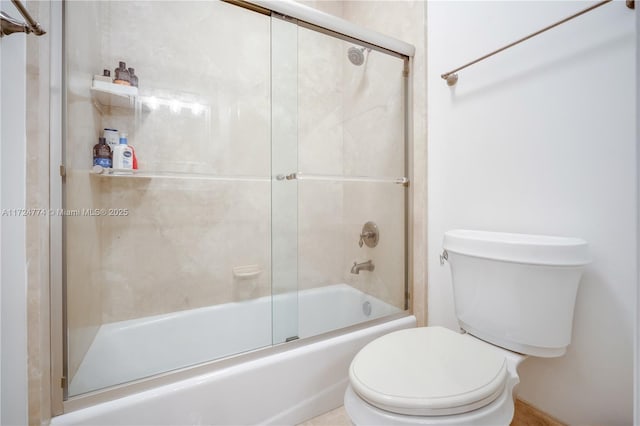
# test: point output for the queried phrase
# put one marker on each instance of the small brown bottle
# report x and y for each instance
(122, 75)
(133, 78)
(102, 154)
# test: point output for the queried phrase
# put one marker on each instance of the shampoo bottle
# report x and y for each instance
(122, 155)
(102, 154)
(111, 135)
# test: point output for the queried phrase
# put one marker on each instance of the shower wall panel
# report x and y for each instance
(351, 124)
(177, 248)
(320, 141)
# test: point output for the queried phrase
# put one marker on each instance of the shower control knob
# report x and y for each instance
(369, 235)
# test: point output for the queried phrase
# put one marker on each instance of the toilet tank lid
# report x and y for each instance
(518, 248)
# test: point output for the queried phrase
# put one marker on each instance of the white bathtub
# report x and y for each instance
(282, 388)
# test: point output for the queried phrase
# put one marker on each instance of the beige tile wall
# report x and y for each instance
(37, 227)
(176, 248)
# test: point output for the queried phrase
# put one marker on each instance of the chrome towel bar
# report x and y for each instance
(10, 25)
(452, 78)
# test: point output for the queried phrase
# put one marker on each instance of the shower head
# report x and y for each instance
(356, 54)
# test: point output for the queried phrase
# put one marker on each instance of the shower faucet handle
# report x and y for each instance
(369, 235)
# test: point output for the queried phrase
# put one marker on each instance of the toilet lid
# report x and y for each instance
(428, 371)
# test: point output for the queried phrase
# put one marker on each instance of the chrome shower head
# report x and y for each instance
(356, 55)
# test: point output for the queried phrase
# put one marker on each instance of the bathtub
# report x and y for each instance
(285, 386)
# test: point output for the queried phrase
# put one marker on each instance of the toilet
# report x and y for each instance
(514, 297)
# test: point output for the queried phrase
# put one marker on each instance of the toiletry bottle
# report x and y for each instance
(135, 159)
(133, 78)
(122, 155)
(102, 154)
(122, 75)
(111, 135)
(106, 76)
(117, 71)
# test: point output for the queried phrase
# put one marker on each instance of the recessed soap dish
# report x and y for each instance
(246, 271)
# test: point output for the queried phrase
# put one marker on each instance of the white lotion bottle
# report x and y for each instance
(123, 155)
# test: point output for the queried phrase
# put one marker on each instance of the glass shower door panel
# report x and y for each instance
(351, 108)
(351, 113)
(284, 189)
(167, 266)
(332, 295)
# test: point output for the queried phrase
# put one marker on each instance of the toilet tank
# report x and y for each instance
(516, 291)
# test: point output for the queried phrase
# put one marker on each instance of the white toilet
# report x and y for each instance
(514, 296)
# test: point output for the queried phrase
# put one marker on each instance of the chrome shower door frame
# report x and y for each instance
(59, 403)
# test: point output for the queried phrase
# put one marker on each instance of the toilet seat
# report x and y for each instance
(428, 371)
(361, 413)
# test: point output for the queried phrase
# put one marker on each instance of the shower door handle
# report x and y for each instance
(287, 177)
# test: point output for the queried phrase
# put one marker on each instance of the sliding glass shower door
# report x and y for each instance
(284, 186)
(157, 257)
(342, 169)
(269, 200)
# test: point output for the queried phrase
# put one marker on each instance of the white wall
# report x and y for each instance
(13, 319)
(541, 139)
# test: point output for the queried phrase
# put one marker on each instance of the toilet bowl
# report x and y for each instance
(432, 376)
(437, 376)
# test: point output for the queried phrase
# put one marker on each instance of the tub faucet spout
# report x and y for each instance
(364, 266)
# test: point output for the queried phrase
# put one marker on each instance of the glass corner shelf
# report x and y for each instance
(109, 172)
(107, 94)
(104, 172)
